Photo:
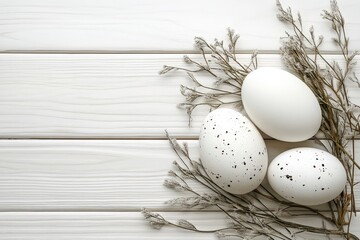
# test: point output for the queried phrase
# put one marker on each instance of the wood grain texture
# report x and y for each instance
(111, 175)
(93, 225)
(155, 26)
(93, 189)
(100, 95)
(115, 225)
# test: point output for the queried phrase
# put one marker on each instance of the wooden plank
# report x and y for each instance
(159, 25)
(113, 225)
(100, 95)
(57, 175)
(93, 225)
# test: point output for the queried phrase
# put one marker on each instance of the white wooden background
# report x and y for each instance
(83, 110)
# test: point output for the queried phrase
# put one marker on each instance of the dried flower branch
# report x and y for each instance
(301, 54)
(220, 63)
(249, 214)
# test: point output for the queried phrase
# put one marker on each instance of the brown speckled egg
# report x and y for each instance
(232, 151)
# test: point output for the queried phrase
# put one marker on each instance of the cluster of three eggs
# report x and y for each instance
(234, 153)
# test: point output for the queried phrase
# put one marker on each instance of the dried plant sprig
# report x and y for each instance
(248, 214)
(220, 63)
(301, 54)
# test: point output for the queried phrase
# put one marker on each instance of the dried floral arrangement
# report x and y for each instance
(249, 214)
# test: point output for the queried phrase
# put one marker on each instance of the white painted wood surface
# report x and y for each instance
(102, 84)
(153, 26)
(115, 175)
(109, 225)
(101, 95)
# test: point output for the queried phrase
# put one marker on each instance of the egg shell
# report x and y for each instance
(232, 151)
(281, 105)
(307, 176)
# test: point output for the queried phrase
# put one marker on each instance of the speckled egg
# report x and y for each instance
(307, 176)
(281, 105)
(232, 151)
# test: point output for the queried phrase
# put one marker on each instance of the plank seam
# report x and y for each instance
(135, 52)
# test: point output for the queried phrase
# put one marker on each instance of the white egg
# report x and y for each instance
(307, 176)
(232, 151)
(281, 105)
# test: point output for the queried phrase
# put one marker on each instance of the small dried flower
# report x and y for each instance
(172, 173)
(311, 30)
(173, 184)
(199, 43)
(186, 224)
(155, 219)
(166, 69)
(187, 59)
